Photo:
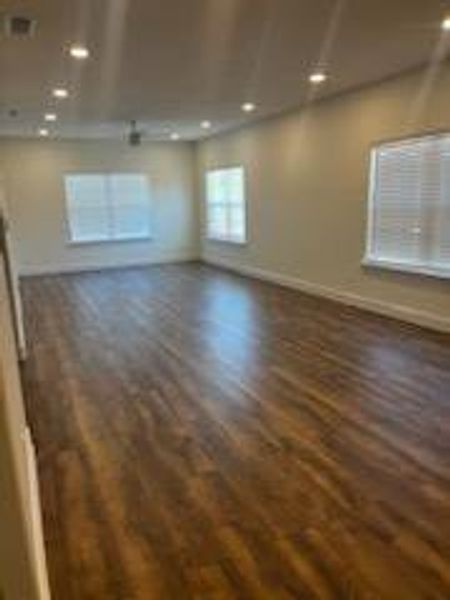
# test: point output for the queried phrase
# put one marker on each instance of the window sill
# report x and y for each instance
(227, 241)
(407, 268)
(110, 241)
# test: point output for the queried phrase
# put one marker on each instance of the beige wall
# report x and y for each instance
(307, 180)
(33, 172)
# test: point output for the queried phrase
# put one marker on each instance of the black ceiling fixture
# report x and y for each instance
(135, 136)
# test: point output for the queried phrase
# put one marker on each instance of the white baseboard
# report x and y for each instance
(34, 270)
(396, 311)
(36, 528)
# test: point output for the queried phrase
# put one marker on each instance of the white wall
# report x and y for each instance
(33, 172)
(307, 183)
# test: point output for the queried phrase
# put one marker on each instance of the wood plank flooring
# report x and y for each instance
(203, 435)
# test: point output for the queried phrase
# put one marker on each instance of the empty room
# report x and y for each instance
(224, 299)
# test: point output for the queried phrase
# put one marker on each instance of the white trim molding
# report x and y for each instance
(396, 311)
(35, 270)
(37, 535)
(426, 270)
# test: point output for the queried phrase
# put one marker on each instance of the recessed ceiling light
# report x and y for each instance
(206, 124)
(174, 136)
(317, 77)
(43, 132)
(60, 93)
(79, 52)
(248, 107)
(446, 24)
(50, 117)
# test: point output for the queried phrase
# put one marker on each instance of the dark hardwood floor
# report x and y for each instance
(203, 435)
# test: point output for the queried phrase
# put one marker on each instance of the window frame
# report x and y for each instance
(391, 265)
(111, 240)
(226, 239)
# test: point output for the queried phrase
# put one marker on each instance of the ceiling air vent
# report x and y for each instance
(19, 26)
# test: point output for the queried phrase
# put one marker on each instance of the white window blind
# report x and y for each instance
(225, 205)
(409, 207)
(107, 207)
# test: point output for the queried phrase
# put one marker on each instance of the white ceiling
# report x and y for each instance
(172, 63)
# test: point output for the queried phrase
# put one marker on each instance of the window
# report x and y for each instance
(107, 207)
(225, 205)
(409, 210)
